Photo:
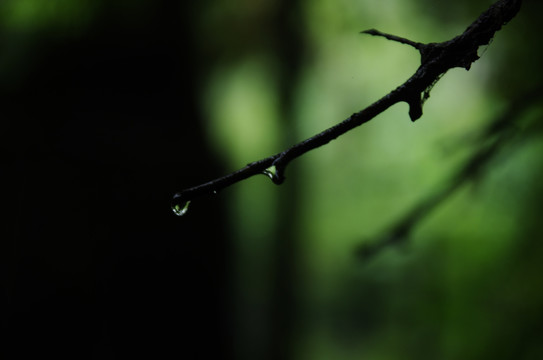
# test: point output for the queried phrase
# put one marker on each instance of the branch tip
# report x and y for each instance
(391, 37)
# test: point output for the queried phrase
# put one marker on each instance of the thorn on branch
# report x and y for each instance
(415, 108)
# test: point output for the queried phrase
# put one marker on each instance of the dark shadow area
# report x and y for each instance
(98, 133)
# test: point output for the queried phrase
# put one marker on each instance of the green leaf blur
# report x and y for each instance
(461, 287)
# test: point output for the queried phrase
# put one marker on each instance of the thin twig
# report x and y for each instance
(399, 39)
(436, 60)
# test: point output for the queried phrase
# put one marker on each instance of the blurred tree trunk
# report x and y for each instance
(288, 46)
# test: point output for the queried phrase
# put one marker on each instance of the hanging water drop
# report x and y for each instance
(181, 209)
(270, 172)
(275, 174)
(179, 206)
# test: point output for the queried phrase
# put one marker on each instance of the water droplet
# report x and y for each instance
(274, 174)
(181, 209)
(270, 172)
(179, 206)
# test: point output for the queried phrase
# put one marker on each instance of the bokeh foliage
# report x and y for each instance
(461, 286)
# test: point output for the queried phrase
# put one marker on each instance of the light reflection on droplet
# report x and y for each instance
(270, 172)
(179, 206)
(275, 174)
(181, 209)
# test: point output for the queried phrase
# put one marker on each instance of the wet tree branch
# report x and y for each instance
(436, 60)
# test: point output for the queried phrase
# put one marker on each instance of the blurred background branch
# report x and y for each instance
(504, 134)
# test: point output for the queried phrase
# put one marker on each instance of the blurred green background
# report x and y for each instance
(466, 282)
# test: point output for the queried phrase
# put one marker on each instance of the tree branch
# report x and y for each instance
(399, 39)
(436, 60)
